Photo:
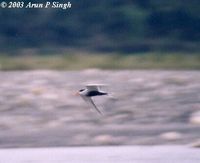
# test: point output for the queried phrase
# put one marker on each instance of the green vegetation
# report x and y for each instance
(129, 34)
(126, 26)
(102, 61)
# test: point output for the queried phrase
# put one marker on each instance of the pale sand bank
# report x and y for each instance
(107, 154)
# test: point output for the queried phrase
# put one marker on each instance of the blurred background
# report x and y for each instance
(156, 31)
(146, 51)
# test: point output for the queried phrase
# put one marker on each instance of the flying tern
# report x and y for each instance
(90, 91)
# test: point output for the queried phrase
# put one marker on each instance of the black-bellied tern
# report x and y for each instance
(89, 92)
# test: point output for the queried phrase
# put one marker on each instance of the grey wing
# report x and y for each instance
(92, 87)
(90, 101)
(95, 87)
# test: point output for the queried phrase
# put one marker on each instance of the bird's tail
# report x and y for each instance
(111, 97)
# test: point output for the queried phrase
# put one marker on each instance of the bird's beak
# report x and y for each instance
(76, 93)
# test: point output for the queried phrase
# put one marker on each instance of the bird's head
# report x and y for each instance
(79, 92)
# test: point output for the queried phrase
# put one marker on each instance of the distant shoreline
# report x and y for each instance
(78, 61)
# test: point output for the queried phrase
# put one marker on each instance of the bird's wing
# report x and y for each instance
(94, 87)
(90, 101)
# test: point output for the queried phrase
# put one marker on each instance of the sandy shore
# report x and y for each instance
(122, 154)
(38, 109)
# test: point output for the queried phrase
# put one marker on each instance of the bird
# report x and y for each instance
(90, 91)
